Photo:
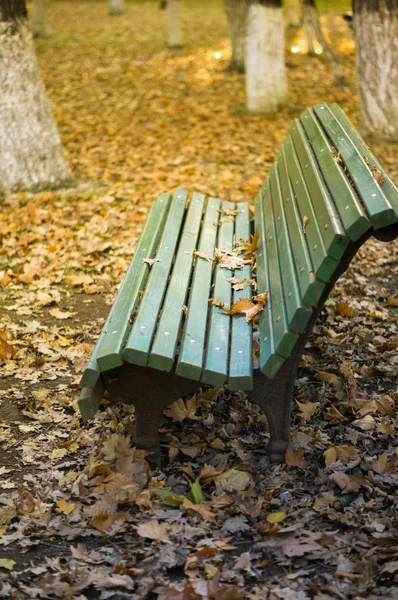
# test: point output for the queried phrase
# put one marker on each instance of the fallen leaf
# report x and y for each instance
(59, 314)
(344, 309)
(233, 479)
(151, 261)
(305, 221)
(7, 563)
(63, 506)
(203, 255)
(154, 531)
(276, 517)
(78, 280)
(307, 409)
(295, 459)
(344, 453)
(392, 301)
(200, 509)
(109, 522)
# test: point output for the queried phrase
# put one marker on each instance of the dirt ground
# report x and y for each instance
(81, 514)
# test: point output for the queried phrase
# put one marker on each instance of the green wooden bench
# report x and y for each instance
(163, 339)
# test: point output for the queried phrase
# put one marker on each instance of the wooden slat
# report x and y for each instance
(163, 351)
(377, 206)
(330, 226)
(285, 338)
(241, 360)
(311, 288)
(190, 358)
(140, 338)
(324, 265)
(270, 361)
(389, 189)
(297, 314)
(350, 209)
(217, 348)
(108, 351)
(89, 400)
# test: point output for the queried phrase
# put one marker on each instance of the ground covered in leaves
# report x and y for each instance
(81, 514)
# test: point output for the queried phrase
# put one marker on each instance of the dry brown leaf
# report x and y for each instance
(307, 409)
(250, 247)
(392, 301)
(240, 284)
(59, 314)
(295, 459)
(379, 465)
(199, 509)
(218, 303)
(379, 405)
(344, 309)
(180, 410)
(203, 255)
(367, 423)
(378, 175)
(331, 378)
(64, 507)
(78, 280)
(154, 530)
(332, 413)
(344, 453)
(151, 261)
(305, 221)
(244, 305)
(261, 298)
(6, 350)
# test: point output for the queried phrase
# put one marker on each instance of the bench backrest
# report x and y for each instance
(325, 192)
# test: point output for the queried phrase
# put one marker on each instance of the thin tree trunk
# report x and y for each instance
(173, 23)
(292, 13)
(312, 23)
(39, 19)
(376, 53)
(116, 7)
(266, 82)
(236, 11)
(31, 155)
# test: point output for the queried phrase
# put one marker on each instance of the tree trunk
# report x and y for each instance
(376, 52)
(116, 7)
(31, 155)
(292, 13)
(173, 23)
(266, 82)
(236, 11)
(39, 19)
(312, 23)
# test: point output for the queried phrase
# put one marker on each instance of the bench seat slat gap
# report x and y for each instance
(139, 341)
(241, 360)
(191, 354)
(215, 370)
(164, 347)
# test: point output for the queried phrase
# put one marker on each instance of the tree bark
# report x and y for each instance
(31, 155)
(237, 11)
(39, 19)
(376, 54)
(266, 82)
(173, 23)
(292, 13)
(116, 7)
(312, 25)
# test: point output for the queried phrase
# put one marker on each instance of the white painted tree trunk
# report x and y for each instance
(31, 156)
(376, 53)
(266, 82)
(292, 13)
(116, 7)
(236, 11)
(173, 23)
(39, 19)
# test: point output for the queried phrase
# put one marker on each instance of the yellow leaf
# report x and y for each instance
(276, 517)
(7, 563)
(59, 314)
(344, 309)
(233, 480)
(63, 507)
(78, 279)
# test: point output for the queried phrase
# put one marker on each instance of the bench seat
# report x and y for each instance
(169, 331)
